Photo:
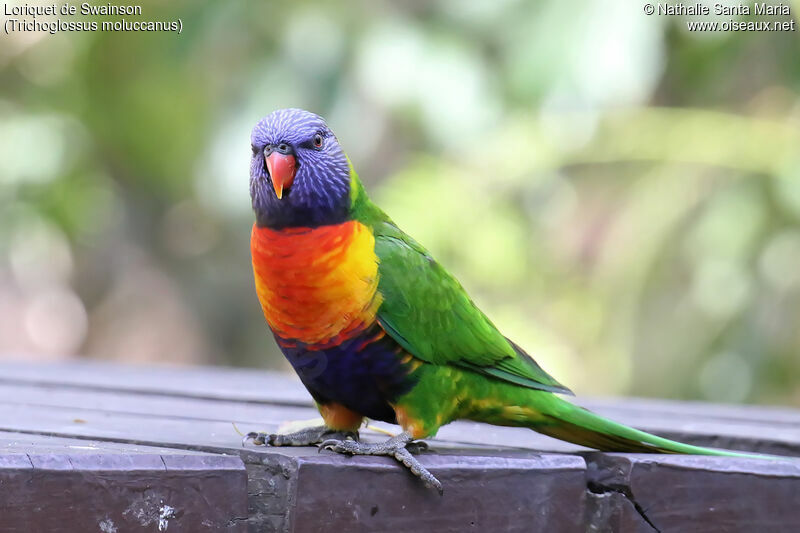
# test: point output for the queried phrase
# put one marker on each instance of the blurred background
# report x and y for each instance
(621, 196)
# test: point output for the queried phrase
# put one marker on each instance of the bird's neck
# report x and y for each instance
(281, 214)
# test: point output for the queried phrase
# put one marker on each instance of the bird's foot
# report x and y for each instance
(400, 447)
(304, 437)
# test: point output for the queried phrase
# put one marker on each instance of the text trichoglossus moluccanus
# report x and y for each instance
(375, 327)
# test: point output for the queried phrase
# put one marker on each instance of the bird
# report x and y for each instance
(376, 328)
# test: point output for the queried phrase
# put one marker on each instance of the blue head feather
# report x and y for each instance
(320, 192)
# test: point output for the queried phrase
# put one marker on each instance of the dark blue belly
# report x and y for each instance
(363, 374)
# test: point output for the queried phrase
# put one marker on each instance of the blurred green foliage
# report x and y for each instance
(621, 196)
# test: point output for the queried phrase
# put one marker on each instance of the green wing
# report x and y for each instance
(428, 312)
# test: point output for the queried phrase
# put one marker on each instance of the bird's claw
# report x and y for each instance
(348, 447)
(259, 439)
(400, 447)
(417, 446)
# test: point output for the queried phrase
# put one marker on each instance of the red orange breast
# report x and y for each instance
(316, 285)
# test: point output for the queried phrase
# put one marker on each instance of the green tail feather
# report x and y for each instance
(580, 426)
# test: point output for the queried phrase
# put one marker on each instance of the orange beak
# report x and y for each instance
(281, 169)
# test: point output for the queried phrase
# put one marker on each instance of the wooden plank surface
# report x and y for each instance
(55, 484)
(102, 415)
(718, 426)
(277, 388)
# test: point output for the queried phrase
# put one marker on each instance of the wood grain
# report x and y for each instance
(86, 446)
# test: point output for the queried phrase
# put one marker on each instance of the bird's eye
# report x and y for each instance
(318, 140)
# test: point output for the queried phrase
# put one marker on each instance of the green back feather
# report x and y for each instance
(428, 312)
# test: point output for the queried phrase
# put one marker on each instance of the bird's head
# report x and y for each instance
(299, 175)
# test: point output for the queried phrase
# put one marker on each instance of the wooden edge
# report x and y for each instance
(118, 492)
(679, 493)
(537, 493)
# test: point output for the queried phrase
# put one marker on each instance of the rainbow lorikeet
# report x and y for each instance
(375, 327)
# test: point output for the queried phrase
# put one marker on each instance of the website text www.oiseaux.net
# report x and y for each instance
(720, 10)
